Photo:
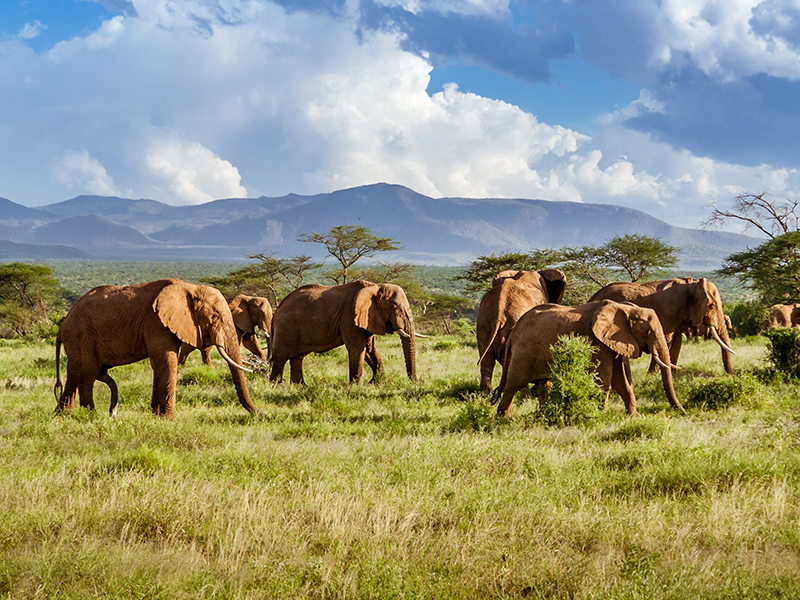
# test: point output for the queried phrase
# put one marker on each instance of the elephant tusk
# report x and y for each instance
(231, 362)
(660, 362)
(719, 340)
(419, 335)
(403, 333)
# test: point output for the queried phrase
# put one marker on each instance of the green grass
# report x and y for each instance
(395, 490)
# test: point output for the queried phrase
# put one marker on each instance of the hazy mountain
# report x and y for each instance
(13, 251)
(432, 231)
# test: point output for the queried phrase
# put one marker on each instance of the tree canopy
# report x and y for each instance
(758, 211)
(29, 295)
(480, 272)
(771, 269)
(348, 244)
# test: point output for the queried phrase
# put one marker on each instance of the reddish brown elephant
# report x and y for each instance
(513, 293)
(117, 325)
(618, 331)
(680, 303)
(317, 318)
(249, 313)
(782, 315)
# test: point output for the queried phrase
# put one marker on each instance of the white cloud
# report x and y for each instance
(492, 8)
(185, 107)
(77, 170)
(31, 30)
(192, 173)
(726, 39)
(107, 35)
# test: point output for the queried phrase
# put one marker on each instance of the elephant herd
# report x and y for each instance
(165, 320)
(518, 320)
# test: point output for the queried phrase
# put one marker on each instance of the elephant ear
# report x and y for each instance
(698, 301)
(368, 313)
(174, 305)
(556, 282)
(611, 325)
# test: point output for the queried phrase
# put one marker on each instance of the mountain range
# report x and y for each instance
(436, 231)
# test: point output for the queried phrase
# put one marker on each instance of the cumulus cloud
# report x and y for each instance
(77, 170)
(190, 100)
(192, 173)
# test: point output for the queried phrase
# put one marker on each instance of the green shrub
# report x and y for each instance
(747, 317)
(723, 392)
(575, 396)
(783, 349)
(476, 415)
(446, 345)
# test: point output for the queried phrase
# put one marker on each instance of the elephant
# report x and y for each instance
(117, 325)
(619, 331)
(513, 293)
(703, 331)
(248, 313)
(317, 318)
(680, 303)
(782, 315)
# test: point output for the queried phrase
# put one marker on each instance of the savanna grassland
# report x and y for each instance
(395, 490)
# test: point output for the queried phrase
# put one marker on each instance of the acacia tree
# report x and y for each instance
(270, 277)
(348, 244)
(29, 295)
(480, 272)
(758, 211)
(771, 269)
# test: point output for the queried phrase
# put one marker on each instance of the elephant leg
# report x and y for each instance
(185, 351)
(276, 375)
(622, 384)
(165, 380)
(374, 360)
(112, 385)
(296, 369)
(513, 384)
(487, 370)
(86, 392)
(675, 348)
(357, 353)
(67, 399)
(206, 353)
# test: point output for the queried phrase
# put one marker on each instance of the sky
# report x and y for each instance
(666, 106)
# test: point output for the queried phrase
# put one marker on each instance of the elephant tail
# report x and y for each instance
(491, 341)
(58, 386)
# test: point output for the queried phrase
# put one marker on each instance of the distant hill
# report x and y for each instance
(11, 251)
(432, 230)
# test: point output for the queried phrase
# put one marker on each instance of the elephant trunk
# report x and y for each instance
(410, 354)
(237, 373)
(661, 350)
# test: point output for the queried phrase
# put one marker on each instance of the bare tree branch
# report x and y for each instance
(771, 217)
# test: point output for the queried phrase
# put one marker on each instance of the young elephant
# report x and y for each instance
(117, 325)
(618, 331)
(249, 313)
(317, 318)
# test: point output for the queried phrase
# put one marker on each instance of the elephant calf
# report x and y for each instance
(249, 313)
(618, 331)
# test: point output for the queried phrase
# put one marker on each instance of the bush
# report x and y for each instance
(575, 396)
(474, 416)
(747, 317)
(783, 350)
(199, 375)
(723, 392)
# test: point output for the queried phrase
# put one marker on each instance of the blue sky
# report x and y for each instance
(666, 106)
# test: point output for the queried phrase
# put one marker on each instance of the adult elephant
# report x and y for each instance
(782, 315)
(317, 318)
(116, 325)
(680, 303)
(249, 313)
(618, 331)
(513, 293)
